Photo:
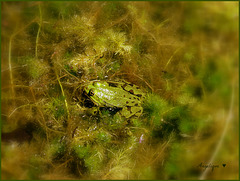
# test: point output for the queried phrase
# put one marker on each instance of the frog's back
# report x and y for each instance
(118, 98)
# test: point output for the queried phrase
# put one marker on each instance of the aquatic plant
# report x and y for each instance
(184, 62)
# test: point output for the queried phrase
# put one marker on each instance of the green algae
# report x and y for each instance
(171, 51)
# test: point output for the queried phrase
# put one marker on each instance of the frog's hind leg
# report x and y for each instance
(137, 111)
(130, 111)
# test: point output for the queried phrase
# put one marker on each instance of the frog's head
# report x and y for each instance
(92, 89)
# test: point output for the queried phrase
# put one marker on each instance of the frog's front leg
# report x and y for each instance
(93, 111)
(130, 111)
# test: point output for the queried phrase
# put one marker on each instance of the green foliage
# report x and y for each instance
(173, 166)
(183, 120)
(35, 68)
(190, 55)
(112, 10)
(194, 91)
(206, 24)
(187, 126)
(92, 156)
(185, 57)
(61, 9)
(37, 168)
(55, 150)
(137, 122)
(33, 28)
(112, 41)
(113, 122)
(211, 77)
(81, 150)
(104, 137)
(94, 162)
(115, 66)
(154, 107)
(120, 164)
(57, 108)
(147, 173)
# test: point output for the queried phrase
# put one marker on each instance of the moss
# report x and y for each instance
(120, 165)
(112, 10)
(172, 51)
(38, 167)
(187, 126)
(33, 28)
(56, 10)
(154, 107)
(113, 120)
(211, 76)
(104, 137)
(190, 55)
(94, 162)
(116, 65)
(147, 173)
(113, 41)
(173, 167)
(182, 119)
(55, 150)
(57, 108)
(81, 150)
(35, 68)
(137, 122)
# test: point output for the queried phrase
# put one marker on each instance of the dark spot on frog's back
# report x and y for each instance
(112, 84)
(131, 91)
(139, 95)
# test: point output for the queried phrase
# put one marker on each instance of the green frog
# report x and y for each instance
(120, 94)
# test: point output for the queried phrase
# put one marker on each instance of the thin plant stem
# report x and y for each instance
(67, 71)
(223, 135)
(39, 29)
(10, 64)
(158, 154)
(65, 101)
(34, 104)
(63, 164)
(10, 54)
(44, 121)
(170, 59)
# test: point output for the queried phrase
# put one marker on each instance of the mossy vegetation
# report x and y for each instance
(184, 62)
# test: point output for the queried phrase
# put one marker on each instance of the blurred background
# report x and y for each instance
(184, 55)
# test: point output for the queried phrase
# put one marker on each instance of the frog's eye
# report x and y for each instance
(96, 84)
(91, 92)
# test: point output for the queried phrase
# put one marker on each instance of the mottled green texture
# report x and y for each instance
(119, 94)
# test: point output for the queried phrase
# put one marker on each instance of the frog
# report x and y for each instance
(120, 94)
